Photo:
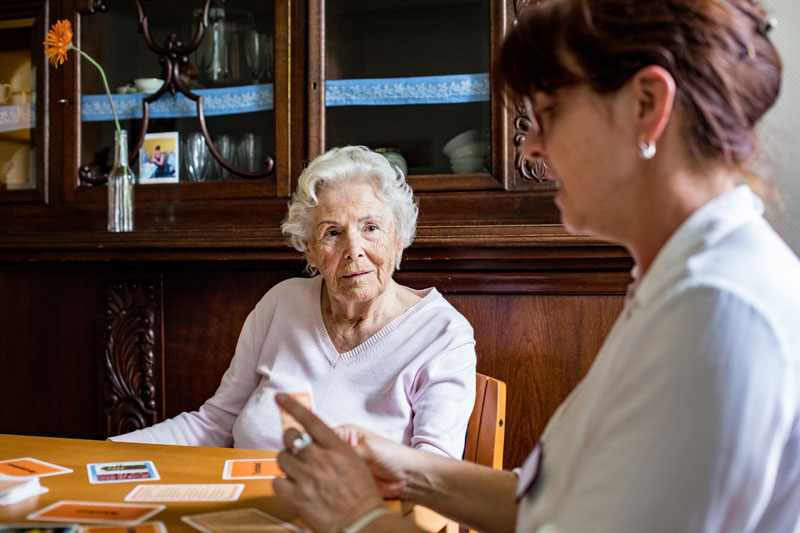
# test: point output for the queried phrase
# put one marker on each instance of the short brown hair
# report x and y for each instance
(727, 71)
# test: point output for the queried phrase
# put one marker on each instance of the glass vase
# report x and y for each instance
(120, 187)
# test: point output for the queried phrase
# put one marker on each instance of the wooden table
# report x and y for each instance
(175, 464)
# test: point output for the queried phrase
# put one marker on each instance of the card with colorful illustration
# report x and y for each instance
(147, 527)
(251, 469)
(96, 512)
(39, 528)
(287, 420)
(122, 471)
(212, 492)
(30, 467)
(239, 520)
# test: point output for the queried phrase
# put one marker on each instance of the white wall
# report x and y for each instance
(780, 130)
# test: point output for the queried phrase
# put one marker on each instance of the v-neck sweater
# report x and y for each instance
(413, 381)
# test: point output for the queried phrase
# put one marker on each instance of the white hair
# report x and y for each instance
(342, 166)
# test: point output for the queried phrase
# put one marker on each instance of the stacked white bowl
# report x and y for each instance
(468, 152)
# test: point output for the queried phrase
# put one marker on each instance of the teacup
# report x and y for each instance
(5, 92)
(23, 97)
(148, 85)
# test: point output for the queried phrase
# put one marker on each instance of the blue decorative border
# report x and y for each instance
(222, 101)
(17, 117)
(459, 88)
(455, 89)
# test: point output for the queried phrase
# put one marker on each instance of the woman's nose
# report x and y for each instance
(531, 146)
(353, 245)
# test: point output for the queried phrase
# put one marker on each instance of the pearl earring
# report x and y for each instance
(647, 150)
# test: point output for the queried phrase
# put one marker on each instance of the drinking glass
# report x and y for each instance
(249, 152)
(196, 156)
(226, 149)
(258, 54)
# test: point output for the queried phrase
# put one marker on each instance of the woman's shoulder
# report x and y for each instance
(434, 309)
(288, 291)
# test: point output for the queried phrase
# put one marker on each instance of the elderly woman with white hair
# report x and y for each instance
(370, 351)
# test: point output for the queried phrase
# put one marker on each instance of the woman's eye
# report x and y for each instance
(371, 227)
(332, 233)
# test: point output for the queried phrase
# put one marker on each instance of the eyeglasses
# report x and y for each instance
(534, 124)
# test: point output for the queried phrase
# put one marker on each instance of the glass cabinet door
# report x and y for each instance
(21, 143)
(410, 78)
(159, 72)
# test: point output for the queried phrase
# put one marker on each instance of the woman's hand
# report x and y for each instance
(326, 482)
(388, 461)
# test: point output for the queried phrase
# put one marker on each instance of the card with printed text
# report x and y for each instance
(251, 469)
(239, 520)
(96, 512)
(30, 467)
(148, 527)
(212, 492)
(287, 420)
(122, 471)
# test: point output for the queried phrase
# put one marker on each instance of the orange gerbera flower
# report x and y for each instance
(59, 40)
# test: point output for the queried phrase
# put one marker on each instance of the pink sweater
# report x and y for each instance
(413, 381)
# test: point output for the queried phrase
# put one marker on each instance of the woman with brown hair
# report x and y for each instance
(689, 419)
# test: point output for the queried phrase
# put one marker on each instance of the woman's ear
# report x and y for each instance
(654, 91)
(309, 258)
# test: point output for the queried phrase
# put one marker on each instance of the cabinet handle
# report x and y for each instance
(63, 100)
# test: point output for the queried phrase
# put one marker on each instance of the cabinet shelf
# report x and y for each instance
(453, 89)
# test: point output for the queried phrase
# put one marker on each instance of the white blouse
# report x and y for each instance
(689, 419)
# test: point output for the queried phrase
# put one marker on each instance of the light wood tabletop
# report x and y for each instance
(175, 464)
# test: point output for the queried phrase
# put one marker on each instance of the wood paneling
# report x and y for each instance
(204, 310)
(537, 330)
(51, 324)
(540, 346)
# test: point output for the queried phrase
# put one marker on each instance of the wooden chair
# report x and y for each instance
(486, 429)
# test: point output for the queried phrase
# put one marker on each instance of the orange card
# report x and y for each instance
(287, 420)
(251, 469)
(149, 527)
(97, 512)
(30, 467)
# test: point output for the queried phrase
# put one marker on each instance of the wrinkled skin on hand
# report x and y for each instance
(386, 459)
(327, 483)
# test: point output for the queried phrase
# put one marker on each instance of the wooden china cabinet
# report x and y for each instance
(105, 332)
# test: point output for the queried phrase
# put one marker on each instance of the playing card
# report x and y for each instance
(149, 527)
(122, 471)
(96, 512)
(220, 492)
(30, 467)
(287, 420)
(38, 528)
(238, 521)
(251, 469)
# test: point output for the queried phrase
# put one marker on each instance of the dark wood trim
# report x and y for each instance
(499, 123)
(315, 125)
(546, 283)
(283, 91)
(40, 12)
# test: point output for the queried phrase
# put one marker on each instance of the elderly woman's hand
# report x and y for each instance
(388, 461)
(326, 482)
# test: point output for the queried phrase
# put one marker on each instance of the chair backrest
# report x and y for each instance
(486, 429)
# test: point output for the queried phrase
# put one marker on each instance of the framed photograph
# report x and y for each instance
(159, 158)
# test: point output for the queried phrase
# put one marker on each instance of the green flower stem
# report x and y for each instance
(105, 83)
(108, 91)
